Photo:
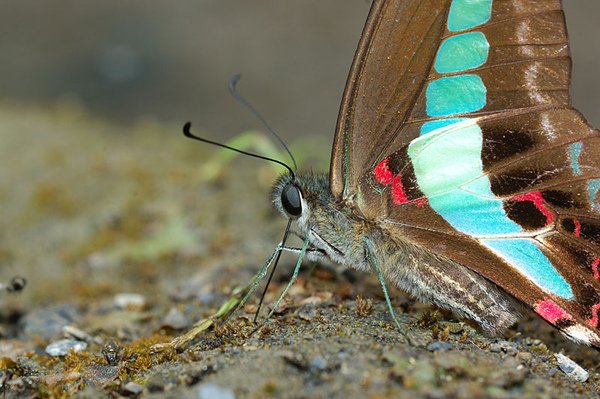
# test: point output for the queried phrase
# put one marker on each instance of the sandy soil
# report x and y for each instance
(92, 211)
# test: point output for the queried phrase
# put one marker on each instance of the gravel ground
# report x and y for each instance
(125, 243)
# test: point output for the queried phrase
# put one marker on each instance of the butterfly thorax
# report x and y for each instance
(340, 233)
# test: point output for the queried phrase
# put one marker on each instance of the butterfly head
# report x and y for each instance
(289, 200)
(306, 199)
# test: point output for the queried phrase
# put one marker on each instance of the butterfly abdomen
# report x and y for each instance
(433, 279)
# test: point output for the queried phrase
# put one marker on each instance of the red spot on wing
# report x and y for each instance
(577, 230)
(594, 320)
(383, 174)
(539, 202)
(551, 311)
(595, 265)
(398, 192)
(421, 202)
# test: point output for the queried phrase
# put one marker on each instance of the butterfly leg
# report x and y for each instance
(290, 283)
(313, 254)
(372, 261)
(301, 255)
(238, 298)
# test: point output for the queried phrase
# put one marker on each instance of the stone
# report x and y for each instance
(571, 369)
(495, 348)
(175, 320)
(132, 388)
(63, 346)
(318, 363)
(439, 345)
(214, 391)
(130, 301)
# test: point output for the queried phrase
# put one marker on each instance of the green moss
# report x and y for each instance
(138, 357)
(428, 319)
(53, 200)
(270, 388)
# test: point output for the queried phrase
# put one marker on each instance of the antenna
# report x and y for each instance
(189, 134)
(235, 93)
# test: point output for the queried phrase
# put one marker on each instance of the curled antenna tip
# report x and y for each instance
(186, 129)
(187, 133)
(234, 81)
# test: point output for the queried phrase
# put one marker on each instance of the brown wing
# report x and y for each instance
(390, 67)
(485, 164)
(384, 102)
(543, 169)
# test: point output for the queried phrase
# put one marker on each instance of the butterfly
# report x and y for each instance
(460, 173)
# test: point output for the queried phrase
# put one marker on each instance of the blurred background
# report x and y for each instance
(125, 229)
(93, 94)
(170, 61)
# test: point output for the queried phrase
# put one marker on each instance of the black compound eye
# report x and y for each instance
(291, 200)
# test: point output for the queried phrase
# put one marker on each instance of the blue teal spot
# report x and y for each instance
(467, 14)
(472, 214)
(462, 52)
(449, 171)
(455, 95)
(438, 124)
(593, 187)
(523, 254)
(575, 152)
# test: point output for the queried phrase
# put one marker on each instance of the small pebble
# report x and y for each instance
(214, 391)
(175, 319)
(78, 334)
(552, 372)
(306, 313)
(318, 363)
(512, 351)
(496, 348)
(571, 369)
(439, 345)
(133, 388)
(130, 301)
(206, 297)
(62, 347)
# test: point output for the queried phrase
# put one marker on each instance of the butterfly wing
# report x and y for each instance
(512, 201)
(387, 76)
(524, 52)
(473, 151)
